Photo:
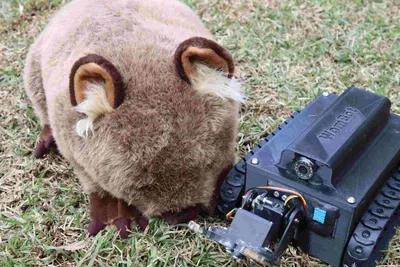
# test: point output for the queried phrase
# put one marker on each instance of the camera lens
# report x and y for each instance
(304, 168)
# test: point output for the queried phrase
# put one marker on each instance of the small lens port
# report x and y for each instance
(304, 168)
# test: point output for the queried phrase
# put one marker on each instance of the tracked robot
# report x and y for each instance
(327, 181)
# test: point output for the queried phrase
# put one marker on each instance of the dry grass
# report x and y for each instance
(287, 51)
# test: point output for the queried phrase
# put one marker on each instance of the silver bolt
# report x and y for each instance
(254, 161)
(284, 197)
(267, 201)
(325, 94)
(296, 220)
(351, 200)
(276, 194)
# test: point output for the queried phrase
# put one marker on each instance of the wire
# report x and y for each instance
(293, 196)
(229, 214)
(303, 201)
(290, 198)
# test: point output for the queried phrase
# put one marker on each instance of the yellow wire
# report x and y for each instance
(290, 198)
(229, 214)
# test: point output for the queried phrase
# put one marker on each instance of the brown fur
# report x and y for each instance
(165, 145)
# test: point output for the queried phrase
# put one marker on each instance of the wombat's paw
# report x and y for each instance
(46, 142)
(102, 207)
(134, 213)
(123, 226)
(142, 222)
(95, 226)
(183, 216)
(107, 210)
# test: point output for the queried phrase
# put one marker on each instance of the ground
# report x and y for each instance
(287, 52)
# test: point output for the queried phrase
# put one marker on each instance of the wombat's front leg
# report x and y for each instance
(98, 213)
(125, 215)
(107, 210)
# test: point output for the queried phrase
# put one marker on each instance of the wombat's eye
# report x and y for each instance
(208, 67)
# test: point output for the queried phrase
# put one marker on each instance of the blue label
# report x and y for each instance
(319, 215)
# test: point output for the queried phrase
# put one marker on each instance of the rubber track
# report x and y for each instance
(377, 226)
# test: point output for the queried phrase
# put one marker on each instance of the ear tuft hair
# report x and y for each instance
(94, 104)
(210, 81)
(199, 49)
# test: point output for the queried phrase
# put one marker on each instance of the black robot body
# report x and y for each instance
(337, 161)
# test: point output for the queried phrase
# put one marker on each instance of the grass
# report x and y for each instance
(287, 52)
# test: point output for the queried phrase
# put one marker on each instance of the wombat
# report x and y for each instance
(142, 102)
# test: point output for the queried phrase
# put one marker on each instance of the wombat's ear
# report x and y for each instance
(94, 71)
(201, 50)
(208, 67)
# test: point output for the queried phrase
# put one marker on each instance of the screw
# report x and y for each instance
(267, 201)
(296, 220)
(276, 194)
(325, 94)
(351, 200)
(254, 161)
(284, 197)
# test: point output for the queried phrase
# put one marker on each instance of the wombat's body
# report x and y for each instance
(163, 137)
